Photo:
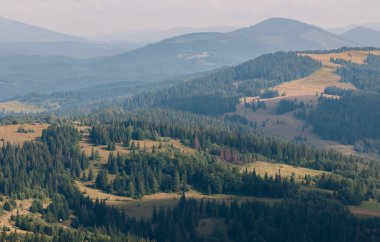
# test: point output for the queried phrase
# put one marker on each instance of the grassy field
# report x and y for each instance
(18, 107)
(369, 208)
(306, 90)
(144, 207)
(287, 126)
(22, 208)
(313, 84)
(271, 169)
(354, 56)
(8, 133)
(87, 146)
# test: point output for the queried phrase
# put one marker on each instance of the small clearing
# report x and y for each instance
(87, 146)
(287, 126)
(22, 208)
(144, 207)
(9, 133)
(19, 107)
(271, 169)
(369, 208)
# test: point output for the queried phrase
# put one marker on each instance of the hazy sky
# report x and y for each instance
(82, 17)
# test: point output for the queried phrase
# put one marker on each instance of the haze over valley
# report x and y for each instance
(189, 121)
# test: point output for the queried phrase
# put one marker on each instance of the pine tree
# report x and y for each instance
(84, 176)
(90, 175)
(101, 181)
(177, 181)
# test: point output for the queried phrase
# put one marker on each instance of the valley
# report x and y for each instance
(262, 133)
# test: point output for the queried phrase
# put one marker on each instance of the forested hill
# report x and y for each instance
(353, 118)
(51, 169)
(212, 134)
(248, 78)
(365, 77)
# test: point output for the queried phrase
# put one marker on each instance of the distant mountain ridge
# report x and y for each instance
(185, 54)
(363, 36)
(204, 51)
(17, 38)
(151, 36)
(14, 31)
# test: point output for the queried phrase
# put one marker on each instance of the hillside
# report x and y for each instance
(205, 51)
(363, 36)
(20, 39)
(171, 57)
(14, 31)
(170, 175)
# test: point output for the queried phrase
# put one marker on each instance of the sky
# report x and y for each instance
(86, 17)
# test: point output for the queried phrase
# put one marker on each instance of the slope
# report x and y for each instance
(363, 36)
(14, 31)
(171, 57)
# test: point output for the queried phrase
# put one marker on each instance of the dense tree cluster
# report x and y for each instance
(232, 143)
(285, 106)
(336, 91)
(269, 94)
(245, 79)
(368, 145)
(145, 173)
(255, 105)
(207, 105)
(213, 135)
(348, 119)
(365, 77)
(309, 217)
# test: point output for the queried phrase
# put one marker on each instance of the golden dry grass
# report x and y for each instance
(325, 77)
(8, 133)
(87, 146)
(304, 89)
(22, 208)
(313, 84)
(271, 169)
(288, 127)
(17, 107)
(357, 57)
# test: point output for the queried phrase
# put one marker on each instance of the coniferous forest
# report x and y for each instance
(200, 146)
(48, 167)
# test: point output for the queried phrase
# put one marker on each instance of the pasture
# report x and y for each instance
(19, 107)
(9, 133)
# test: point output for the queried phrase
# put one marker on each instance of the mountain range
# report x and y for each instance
(190, 53)
(151, 36)
(23, 39)
(363, 36)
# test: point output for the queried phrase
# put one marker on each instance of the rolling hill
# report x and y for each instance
(176, 56)
(363, 36)
(14, 31)
(205, 51)
(23, 39)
